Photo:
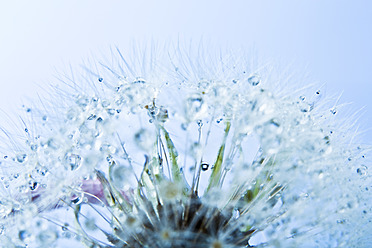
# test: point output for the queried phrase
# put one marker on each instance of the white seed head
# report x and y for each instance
(179, 154)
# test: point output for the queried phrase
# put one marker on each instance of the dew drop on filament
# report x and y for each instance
(21, 158)
(362, 171)
(122, 177)
(204, 166)
(73, 161)
(77, 199)
(254, 80)
(33, 185)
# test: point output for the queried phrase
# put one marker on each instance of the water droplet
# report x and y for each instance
(204, 166)
(194, 104)
(144, 139)
(110, 160)
(184, 126)
(196, 150)
(254, 80)
(139, 81)
(28, 110)
(160, 114)
(122, 177)
(45, 118)
(47, 237)
(362, 171)
(111, 111)
(41, 170)
(106, 147)
(5, 208)
(341, 221)
(91, 117)
(33, 185)
(24, 235)
(21, 158)
(203, 84)
(77, 199)
(82, 101)
(65, 227)
(105, 103)
(34, 147)
(73, 161)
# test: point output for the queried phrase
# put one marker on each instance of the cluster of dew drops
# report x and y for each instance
(75, 160)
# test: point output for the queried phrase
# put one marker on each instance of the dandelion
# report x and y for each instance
(182, 152)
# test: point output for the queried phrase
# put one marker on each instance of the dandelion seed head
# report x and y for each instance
(205, 155)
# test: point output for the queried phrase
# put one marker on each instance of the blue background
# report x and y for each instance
(329, 40)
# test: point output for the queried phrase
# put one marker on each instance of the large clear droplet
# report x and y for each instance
(46, 237)
(122, 177)
(195, 102)
(73, 161)
(194, 106)
(21, 158)
(144, 139)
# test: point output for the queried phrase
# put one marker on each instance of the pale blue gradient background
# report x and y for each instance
(329, 40)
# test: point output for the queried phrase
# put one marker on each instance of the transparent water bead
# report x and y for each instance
(24, 235)
(6, 208)
(144, 139)
(157, 113)
(254, 80)
(122, 177)
(46, 237)
(77, 198)
(362, 170)
(139, 80)
(204, 166)
(195, 106)
(33, 185)
(73, 161)
(195, 102)
(21, 158)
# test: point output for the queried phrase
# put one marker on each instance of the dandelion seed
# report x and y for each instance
(178, 155)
